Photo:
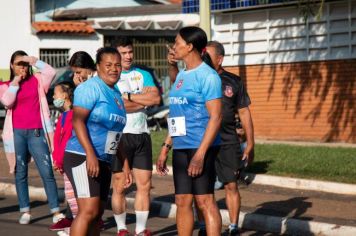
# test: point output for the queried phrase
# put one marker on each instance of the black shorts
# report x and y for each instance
(138, 149)
(185, 184)
(84, 186)
(228, 162)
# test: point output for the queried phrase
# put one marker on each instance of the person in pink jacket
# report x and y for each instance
(27, 129)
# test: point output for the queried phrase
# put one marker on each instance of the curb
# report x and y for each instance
(280, 225)
(296, 183)
(303, 184)
(36, 193)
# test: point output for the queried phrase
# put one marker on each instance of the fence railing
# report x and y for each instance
(55, 57)
(154, 55)
(192, 6)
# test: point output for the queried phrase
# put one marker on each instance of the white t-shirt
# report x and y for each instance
(133, 81)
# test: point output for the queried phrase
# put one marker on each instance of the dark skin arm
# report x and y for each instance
(80, 115)
(214, 109)
(173, 67)
(161, 163)
(247, 124)
(148, 97)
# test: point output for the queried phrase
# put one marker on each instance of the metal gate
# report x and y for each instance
(153, 55)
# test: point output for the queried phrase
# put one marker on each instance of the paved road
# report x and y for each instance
(42, 219)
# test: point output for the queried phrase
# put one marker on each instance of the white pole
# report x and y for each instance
(204, 10)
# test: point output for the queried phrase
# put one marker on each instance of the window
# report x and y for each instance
(55, 57)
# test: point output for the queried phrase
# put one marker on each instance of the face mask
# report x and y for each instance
(59, 102)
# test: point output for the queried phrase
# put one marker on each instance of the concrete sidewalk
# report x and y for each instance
(267, 208)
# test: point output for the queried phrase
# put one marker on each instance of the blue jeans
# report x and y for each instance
(32, 142)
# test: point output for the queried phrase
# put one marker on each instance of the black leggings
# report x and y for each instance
(185, 184)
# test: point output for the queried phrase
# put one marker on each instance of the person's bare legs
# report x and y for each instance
(118, 201)
(143, 184)
(88, 214)
(233, 201)
(184, 216)
(199, 215)
(207, 205)
(142, 198)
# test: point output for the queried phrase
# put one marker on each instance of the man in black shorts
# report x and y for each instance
(230, 158)
(139, 91)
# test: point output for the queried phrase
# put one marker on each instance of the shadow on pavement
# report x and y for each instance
(167, 231)
(165, 198)
(282, 211)
(15, 208)
(292, 208)
(259, 167)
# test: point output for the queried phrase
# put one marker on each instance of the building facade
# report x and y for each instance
(300, 74)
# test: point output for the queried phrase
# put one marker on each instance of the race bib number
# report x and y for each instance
(112, 142)
(176, 126)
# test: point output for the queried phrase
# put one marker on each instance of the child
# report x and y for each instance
(63, 97)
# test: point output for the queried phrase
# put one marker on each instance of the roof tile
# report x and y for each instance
(63, 27)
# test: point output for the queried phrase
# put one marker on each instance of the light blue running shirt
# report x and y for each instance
(187, 98)
(106, 121)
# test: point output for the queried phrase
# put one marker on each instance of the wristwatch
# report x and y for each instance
(167, 145)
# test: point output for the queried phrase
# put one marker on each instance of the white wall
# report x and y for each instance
(16, 34)
(278, 35)
(15, 29)
(90, 44)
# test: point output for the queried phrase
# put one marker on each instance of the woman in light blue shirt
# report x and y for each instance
(193, 123)
(99, 118)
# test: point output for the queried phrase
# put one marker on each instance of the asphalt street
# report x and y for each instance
(42, 219)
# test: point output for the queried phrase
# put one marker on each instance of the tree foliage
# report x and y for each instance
(311, 8)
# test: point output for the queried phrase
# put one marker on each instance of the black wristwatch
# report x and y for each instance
(167, 146)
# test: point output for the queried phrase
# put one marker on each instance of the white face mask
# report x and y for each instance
(59, 102)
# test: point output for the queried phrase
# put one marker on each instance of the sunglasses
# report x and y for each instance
(22, 63)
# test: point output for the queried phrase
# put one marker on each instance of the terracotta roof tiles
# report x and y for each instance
(71, 27)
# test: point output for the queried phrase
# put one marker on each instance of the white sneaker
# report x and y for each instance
(57, 217)
(62, 233)
(25, 218)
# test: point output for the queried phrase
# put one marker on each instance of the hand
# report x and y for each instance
(195, 167)
(128, 177)
(147, 90)
(57, 169)
(125, 96)
(92, 166)
(77, 79)
(245, 161)
(249, 156)
(161, 163)
(31, 60)
(240, 132)
(17, 79)
(171, 56)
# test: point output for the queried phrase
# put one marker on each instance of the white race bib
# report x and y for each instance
(176, 126)
(112, 142)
